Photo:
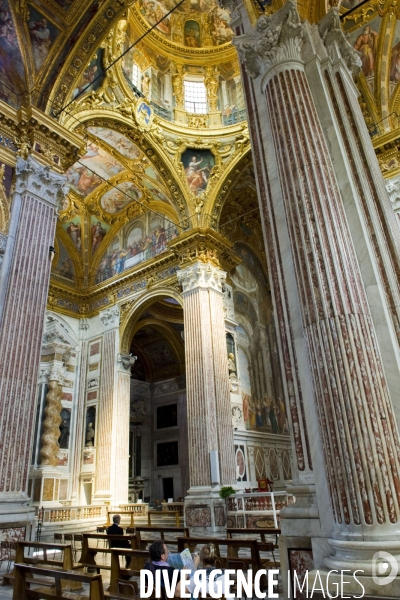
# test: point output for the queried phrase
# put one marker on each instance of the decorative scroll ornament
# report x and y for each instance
(126, 360)
(274, 39)
(336, 43)
(201, 275)
(41, 181)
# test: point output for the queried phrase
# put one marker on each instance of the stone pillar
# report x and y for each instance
(210, 433)
(24, 281)
(361, 446)
(112, 461)
(80, 409)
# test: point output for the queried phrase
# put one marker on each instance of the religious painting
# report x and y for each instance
(92, 77)
(7, 178)
(155, 191)
(98, 231)
(119, 197)
(154, 11)
(167, 416)
(117, 141)
(63, 265)
(12, 73)
(153, 174)
(73, 228)
(138, 241)
(42, 34)
(97, 165)
(144, 115)
(191, 34)
(221, 33)
(395, 57)
(365, 40)
(167, 454)
(198, 165)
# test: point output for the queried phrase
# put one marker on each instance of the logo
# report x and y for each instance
(381, 561)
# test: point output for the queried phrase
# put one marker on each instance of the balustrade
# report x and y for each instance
(257, 509)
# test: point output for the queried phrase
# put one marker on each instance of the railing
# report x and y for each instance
(140, 508)
(73, 513)
(236, 116)
(260, 509)
(173, 507)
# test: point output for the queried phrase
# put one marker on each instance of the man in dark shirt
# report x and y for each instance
(115, 529)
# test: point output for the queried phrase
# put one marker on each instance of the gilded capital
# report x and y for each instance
(274, 39)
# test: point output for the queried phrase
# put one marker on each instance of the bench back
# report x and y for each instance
(138, 560)
(23, 578)
(141, 543)
(233, 547)
(89, 552)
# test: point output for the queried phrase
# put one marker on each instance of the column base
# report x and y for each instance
(205, 511)
(17, 516)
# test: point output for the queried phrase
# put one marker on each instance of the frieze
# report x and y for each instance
(110, 317)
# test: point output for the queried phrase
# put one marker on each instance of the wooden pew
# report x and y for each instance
(24, 575)
(161, 531)
(119, 574)
(233, 547)
(89, 552)
(258, 531)
(66, 564)
(163, 513)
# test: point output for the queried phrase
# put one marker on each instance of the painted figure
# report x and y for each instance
(366, 44)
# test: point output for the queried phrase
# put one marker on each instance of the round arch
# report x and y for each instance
(138, 306)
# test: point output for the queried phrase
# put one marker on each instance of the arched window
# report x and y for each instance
(135, 76)
(195, 97)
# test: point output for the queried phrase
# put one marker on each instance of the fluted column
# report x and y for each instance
(112, 459)
(24, 280)
(210, 433)
(360, 435)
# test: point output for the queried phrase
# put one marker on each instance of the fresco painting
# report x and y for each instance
(192, 34)
(138, 241)
(154, 10)
(97, 164)
(395, 56)
(154, 174)
(117, 141)
(63, 265)
(116, 200)
(198, 165)
(155, 191)
(42, 34)
(74, 230)
(365, 40)
(98, 232)
(12, 74)
(92, 77)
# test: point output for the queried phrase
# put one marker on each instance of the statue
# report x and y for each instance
(89, 435)
(231, 365)
(145, 84)
(63, 440)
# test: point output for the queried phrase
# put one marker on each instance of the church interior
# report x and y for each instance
(200, 278)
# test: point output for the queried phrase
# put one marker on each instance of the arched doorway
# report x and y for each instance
(158, 446)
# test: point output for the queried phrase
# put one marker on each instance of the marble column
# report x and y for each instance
(210, 433)
(348, 383)
(24, 281)
(84, 325)
(112, 461)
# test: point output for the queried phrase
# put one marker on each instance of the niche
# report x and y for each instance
(90, 426)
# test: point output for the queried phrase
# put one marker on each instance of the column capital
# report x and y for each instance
(336, 44)
(126, 361)
(275, 39)
(111, 317)
(40, 181)
(201, 275)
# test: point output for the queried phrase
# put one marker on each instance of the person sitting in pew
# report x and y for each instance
(159, 561)
(115, 529)
(205, 561)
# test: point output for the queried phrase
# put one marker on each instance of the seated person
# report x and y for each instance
(115, 529)
(159, 560)
(205, 561)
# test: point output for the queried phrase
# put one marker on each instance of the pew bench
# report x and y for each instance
(66, 564)
(120, 575)
(141, 542)
(255, 530)
(89, 552)
(55, 589)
